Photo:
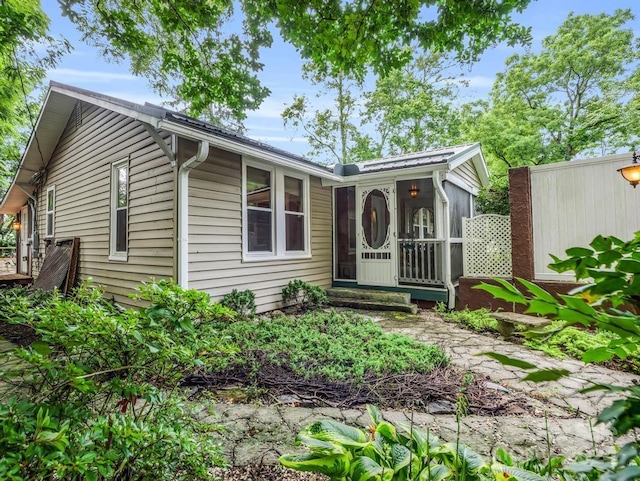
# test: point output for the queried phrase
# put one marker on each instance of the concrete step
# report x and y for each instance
(373, 305)
(370, 295)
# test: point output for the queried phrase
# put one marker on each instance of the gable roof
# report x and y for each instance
(445, 158)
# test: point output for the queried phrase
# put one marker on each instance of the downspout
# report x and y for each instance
(451, 290)
(183, 211)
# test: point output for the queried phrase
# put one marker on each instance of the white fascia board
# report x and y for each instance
(461, 157)
(106, 104)
(473, 153)
(247, 150)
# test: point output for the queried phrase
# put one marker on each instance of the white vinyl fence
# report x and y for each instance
(486, 246)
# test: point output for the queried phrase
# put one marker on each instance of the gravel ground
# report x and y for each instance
(263, 472)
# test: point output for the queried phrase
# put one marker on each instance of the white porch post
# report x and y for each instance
(446, 255)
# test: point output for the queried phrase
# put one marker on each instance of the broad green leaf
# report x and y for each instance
(334, 466)
(400, 457)
(631, 266)
(423, 442)
(466, 456)
(537, 291)
(578, 304)
(511, 473)
(320, 446)
(508, 361)
(507, 294)
(436, 472)
(598, 354)
(330, 430)
(41, 348)
(546, 375)
(601, 243)
(365, 469)
(541, 307)
(629, 473)
(387, 430)
(579, 252)
(613, 411)
(374, 413)
(504, 457)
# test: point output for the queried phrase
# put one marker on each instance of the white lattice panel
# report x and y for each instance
(486, 246)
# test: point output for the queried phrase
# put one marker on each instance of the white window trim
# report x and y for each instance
(51, 234)
(113, 254)
(278, 233)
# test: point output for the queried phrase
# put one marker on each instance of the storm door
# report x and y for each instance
(376, 239)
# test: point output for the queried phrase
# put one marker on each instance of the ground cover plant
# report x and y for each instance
(97, 397)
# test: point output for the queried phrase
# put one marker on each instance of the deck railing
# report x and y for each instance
(420, 262)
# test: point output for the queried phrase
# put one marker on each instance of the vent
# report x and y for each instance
(78, 113)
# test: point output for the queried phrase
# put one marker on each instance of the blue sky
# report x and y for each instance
(85, 68)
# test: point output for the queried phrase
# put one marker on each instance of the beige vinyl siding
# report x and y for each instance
(468, 173)
(215, 237)
(80, 168)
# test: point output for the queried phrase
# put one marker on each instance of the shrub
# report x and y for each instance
(387, 452)
(304, 295)
(478, 320)
(98, 397)
(242, 302)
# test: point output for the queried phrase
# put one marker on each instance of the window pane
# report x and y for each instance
(122, 186)
(49, 224)
(292, 194)
(259, 231)
(50, 200)
(258, 188)
(121, 230)
(295, 232)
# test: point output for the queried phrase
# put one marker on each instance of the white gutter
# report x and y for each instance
(451, 299)
(183, 211)
(243, 149)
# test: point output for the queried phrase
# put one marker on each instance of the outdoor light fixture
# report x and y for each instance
(631, 172)
(413, 191)
(15, 225)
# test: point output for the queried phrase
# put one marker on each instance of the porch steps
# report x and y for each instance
(372, 300)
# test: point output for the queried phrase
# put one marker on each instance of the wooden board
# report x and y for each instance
(59, 266)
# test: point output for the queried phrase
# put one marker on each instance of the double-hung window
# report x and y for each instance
(275, 212)
(119, 210)
(51, 211)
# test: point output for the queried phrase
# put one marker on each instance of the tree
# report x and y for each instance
(188, 49)
(23, 35)
(572, 98)
(330, 132)
(412, 108)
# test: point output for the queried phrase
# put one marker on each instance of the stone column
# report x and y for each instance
(521, 223)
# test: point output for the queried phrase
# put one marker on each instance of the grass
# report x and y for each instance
(571, 342)
(334, 345)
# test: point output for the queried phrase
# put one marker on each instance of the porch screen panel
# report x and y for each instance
(459, 207)
(345, 232)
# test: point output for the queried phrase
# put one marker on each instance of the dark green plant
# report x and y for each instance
(98, 396)
(331, 344)
(242, 302)
(609, 301)
(304, 295)
(388, 452)
(495, 198)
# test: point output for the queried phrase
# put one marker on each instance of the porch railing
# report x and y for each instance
(420, 262)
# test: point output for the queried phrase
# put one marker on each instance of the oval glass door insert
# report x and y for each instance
(375, 219)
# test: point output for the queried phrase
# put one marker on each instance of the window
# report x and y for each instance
(119, 210)
(275, 219)
(51, 211)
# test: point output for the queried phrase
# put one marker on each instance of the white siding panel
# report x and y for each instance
(468, 173)
(215, 237)
(80, 170)
(573, 202)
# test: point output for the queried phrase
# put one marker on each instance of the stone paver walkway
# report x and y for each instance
(464, 347)
(255, 434)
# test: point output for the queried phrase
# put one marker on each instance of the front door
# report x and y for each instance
(376, 236)
(24, 251)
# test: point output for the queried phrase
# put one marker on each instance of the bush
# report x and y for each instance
(242, 302)
(478, 320)
(303, 295)
(98, 397)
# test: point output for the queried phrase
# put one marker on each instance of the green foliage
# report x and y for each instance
(575, 97)
(608, 301)
(333, 345)
(242, 302)
(304, 295)
(478, 320)
(495, 198)
(97, 397)
(385, 451)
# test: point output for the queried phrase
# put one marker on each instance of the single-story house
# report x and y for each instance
(154, 193)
